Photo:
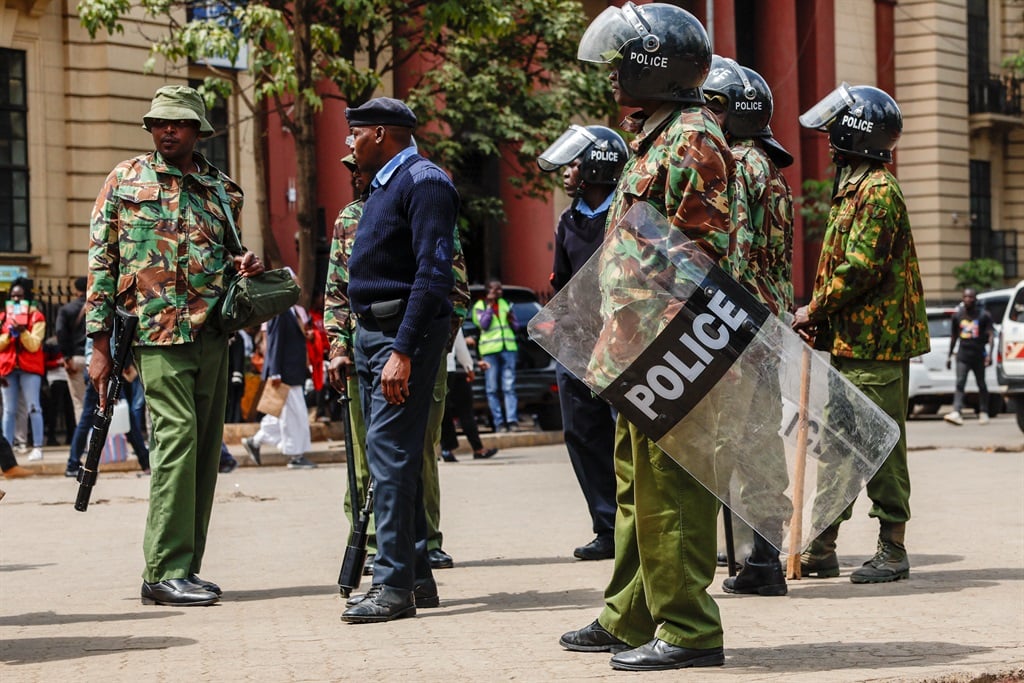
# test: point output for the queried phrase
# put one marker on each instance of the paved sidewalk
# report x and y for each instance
(69, 582)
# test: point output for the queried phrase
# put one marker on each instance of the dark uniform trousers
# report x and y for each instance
(887, 385)
(589, 426)
(185, 386)
(394, 451)
(665, 542)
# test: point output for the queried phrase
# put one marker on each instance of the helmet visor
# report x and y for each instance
(604, 38)
(824, 112)
(566, 148)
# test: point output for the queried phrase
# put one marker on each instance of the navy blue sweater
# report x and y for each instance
(404, 248)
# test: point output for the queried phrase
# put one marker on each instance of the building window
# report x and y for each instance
(215, 148)
(986, 242)
(14, 232)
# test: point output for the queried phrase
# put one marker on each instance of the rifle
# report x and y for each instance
(355, 552)
(125, 325)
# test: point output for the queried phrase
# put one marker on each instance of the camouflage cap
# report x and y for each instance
(350, 162)
(178, 102)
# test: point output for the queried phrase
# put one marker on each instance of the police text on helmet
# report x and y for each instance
(650, 60)
(604, 155)
(857, 124)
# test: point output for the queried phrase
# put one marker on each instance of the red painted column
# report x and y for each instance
(724, 39)
(885, 50)
(528, 235)
(776, 59)
(816, 68)
(885, 45)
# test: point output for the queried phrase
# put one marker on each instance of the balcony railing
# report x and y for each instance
(995, 94)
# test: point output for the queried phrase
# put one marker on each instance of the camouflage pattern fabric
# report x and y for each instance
(868, 286)
(338, 316)
(763, 216)
(338, 321)
(684, 169)
(157, 248)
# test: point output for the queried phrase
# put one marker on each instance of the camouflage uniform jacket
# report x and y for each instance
(684, 169)
(763, 215)
(338, 320)
(157, 248)
(686, 173)
(868, 286)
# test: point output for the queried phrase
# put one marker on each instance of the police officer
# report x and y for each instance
(762, 213)
(867, 306)
(592, 159)
(400, 278)
(658, 613)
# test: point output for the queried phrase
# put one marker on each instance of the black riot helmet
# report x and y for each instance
(664, 51)
(602, 153)
(748, 99)
(860, 121)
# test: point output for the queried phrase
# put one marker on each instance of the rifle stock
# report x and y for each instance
(355, 553)
(125, 324)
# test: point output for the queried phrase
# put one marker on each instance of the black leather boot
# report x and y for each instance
(761, 574)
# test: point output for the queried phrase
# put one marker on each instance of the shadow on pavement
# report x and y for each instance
(38, 650)
(22, 567)
(52, 618)
(514, 562)
(282, 592)
(798, 658)
(937, 581)
(518, 602)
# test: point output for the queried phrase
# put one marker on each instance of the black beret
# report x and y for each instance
(381, 111)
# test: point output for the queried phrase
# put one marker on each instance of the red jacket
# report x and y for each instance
(24, 352)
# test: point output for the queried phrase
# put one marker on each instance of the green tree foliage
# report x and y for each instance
(980, 274)
(815, 204)
(506, 75)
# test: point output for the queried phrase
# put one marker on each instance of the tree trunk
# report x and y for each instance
(305, 148)
(271, 250)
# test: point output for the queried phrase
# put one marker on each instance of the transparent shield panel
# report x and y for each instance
(727, 390)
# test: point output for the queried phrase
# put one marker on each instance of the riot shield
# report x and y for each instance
(722, 386)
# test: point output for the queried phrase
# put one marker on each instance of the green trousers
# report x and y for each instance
(665, 546)
(431, 481)
(186, 389)
(887, 385)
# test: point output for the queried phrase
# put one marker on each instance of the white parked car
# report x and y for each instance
(1010, 353)
(931, 384)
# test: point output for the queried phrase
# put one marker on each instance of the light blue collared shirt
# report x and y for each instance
(384, 174)
(585, 209)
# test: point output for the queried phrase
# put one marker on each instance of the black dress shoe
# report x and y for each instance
(368, 564)
(439, 559)
(424, 593)
(592, 638)
(601, 548)
(484, 454)
(658, 655)
(381, 603)
(176, 592)
(204, 584)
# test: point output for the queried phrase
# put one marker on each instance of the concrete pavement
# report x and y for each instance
(69, 582)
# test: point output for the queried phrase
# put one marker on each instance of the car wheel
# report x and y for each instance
(995, 405)
(549, 418)
(929, 408)
(1020, 413)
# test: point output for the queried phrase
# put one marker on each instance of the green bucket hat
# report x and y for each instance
(178, 102)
